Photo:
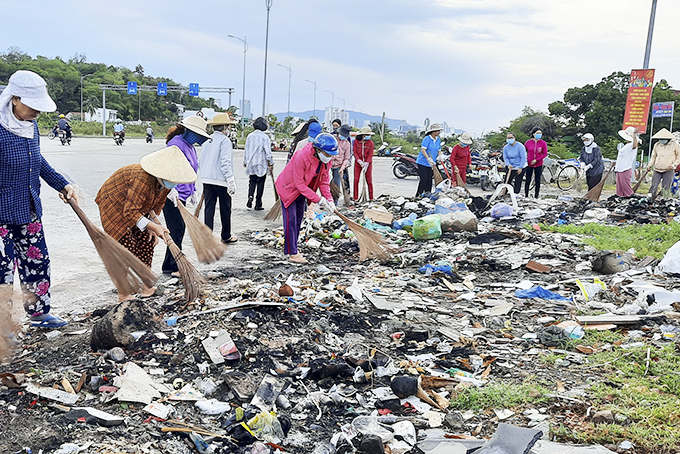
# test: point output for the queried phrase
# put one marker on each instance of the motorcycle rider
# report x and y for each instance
(64, 125)
(149, 133)
(119, 128)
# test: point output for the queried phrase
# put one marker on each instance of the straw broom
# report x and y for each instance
(275, 211)
(594, 194)
(437, 176)
(200, 204)
(7, 325)
(459, 179)
(371, 244)
(335, 190)
(208, 248)
(190, 277)
(345, 193)
(126, 271)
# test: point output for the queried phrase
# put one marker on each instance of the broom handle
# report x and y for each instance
(200, 204)
(276, 193)
(166, 235)
(78, 211)
(642, 178)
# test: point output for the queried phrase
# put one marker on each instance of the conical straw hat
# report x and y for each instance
(169, 164)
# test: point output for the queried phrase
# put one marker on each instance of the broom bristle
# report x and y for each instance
(190, 277)
(371, 244)
(7, 326)
(335, 190)
(345, 195)
(274, 212)
(124, 268)
(208, 248)
(594, 194)
(200, 204)
(437, 176)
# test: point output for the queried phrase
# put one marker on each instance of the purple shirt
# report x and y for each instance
(185, 189)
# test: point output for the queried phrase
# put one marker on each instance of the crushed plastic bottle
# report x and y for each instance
(213, 407)
(575, 332)
(324, 447)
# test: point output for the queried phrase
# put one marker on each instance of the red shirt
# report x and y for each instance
(460, 157)
(363, 150)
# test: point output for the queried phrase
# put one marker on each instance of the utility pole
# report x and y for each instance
(268, 4)
(82, 118)
(243, 95)
(650, 32)
(313, 83)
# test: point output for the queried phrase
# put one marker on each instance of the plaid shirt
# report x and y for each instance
(126, 196)
(21, 166)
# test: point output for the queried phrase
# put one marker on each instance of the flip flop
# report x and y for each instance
(232, 239)
(50, 321)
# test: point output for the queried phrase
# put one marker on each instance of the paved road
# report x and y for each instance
(78, 274)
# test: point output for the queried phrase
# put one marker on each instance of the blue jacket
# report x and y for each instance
(21, 167)
(515, 155)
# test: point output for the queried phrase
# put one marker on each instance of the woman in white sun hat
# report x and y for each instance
(625, 161)
(665, 158)
(185, 134)
(22, 240)
(429, 154)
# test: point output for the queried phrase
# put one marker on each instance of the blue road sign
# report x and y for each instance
(662, 109)
(162, 89)
(193, 89)
(132, 88)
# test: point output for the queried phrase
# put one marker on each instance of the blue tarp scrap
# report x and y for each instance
(441, 268)
(540, 292)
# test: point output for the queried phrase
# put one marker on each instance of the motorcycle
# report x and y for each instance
(384, 150)
(404, 165)
(149, 138)
(63, 137)
(490, 175)
(118, 138)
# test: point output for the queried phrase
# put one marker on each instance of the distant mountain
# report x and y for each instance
(392, 124)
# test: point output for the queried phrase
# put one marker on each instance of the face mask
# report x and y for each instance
(168, 184)
(324, 158)
(367, 138)
(587, 142)
(538, 136)
(192, 138)
(511, 141)
(342, 138)
(464, 144)
(663, 141)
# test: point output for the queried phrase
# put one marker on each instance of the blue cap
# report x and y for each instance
(314, 130)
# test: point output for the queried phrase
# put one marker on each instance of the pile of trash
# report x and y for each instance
(344, 356)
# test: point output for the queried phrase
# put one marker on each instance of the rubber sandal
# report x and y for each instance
(50, 321)
(176, 274)
(231, 239)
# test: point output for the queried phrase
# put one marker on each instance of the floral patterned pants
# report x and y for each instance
(23, 247)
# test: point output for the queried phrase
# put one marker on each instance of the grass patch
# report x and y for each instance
(499, 395)
(647, 239)
(649, 403)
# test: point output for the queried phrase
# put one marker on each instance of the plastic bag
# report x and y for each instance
(501, 210)
(540, 292)
(670, 264)
(266, 427)
(427, 227)
(590, 289)
(401, 223)
(458, 221)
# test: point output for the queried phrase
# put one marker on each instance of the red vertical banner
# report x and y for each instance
(639, 99)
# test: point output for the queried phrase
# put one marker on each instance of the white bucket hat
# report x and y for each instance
(32, 89)
(664, 134)
(628, 133)
(196, 124)
(434, 127)
(365, 131)
(222, 118)
(465, 138)
(169, 164)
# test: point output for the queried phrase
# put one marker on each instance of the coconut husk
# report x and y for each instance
(126, 271)
(275, 211)
(371, 244)
(190, 277)
(594, 194)
(208, 247)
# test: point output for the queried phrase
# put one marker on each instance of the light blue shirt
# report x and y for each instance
(432, 147)
(515, 155)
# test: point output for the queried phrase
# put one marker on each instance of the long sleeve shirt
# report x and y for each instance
(258, 153)
(363, 150)
(304, 175)
(185, 190)
(341, 160)
(665, 157)
(594, 159)
(460, 157)
(515, 155)
(536, 149)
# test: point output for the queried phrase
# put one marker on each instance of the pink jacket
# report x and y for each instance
(536, 149)
(304, 175)
(341, 159)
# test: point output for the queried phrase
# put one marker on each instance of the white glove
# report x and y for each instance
(193, 198)
(588, 167)
(327, 204)
(364, 165)
(231, 186)
(173, 196)
(429, 159)
(440, 157)
(361, 163)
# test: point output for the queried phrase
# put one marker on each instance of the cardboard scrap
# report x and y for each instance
(220, 348)
(268, 392)
(137, 386)
(381, 217)
(52, 394)
(103, 418)
(535, 266)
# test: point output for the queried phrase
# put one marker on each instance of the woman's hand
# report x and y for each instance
(156, 231)
(67, 193)
(533, 161)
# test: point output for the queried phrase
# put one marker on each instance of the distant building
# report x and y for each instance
(111, 115)
(333, 113)
(244, 108)
(404, 128)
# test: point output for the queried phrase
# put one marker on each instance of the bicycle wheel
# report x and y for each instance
(546, 178)
(567, 177)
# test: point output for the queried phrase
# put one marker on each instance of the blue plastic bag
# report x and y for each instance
(540, 292)
(501, 210)
(441, 268)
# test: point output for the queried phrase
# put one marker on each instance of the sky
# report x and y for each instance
(474, 64)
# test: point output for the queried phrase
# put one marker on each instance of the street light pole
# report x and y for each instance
(650, 31)
(290, 72)
(243, 95)
(81, 95)
(332, 99)
(268, 4)
(314, 83)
